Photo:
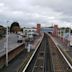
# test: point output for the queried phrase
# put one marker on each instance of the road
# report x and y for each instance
(12, 43)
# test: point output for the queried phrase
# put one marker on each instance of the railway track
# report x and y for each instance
(47, 58)
(59, 63)
(41, 61)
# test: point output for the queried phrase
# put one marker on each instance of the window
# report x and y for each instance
(29, 30)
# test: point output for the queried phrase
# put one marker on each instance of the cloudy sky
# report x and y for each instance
(31, 12)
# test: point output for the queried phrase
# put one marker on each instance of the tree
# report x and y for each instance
(67, 29)
(21, 29)
(2, 30)
(15, 27)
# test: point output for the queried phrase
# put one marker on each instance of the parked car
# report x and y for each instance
(20, 40)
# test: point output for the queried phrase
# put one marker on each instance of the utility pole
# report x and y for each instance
(69, 32)
(7, 46)
(63, 35)
(60, 33)
(69, 35)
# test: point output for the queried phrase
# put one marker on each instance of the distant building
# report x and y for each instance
(61, 32)
(47, 29)
(29, 32)
(38, 29)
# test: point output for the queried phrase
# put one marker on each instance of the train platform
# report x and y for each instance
(67, 51)
(63, 60)
(12, 43)
(62, 46)
(36, 42)
(21, 60)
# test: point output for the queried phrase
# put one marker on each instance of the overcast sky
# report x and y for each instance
(31, 12)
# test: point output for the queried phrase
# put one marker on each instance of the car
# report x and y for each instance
(20, 39)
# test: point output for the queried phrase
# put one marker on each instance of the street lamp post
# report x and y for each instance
(60, 33)
(69, 33)
(7, 46)
(69, 36)
(63, 35)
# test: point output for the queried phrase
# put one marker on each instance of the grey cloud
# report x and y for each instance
(64, 6)
(34, 11)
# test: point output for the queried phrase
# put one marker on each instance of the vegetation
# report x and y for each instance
(14, 27)
(2, 31)
(66, 29)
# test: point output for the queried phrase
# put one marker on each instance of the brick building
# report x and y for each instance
(39, 28)
(55, 30)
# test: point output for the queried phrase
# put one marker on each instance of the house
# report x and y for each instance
(29, 32)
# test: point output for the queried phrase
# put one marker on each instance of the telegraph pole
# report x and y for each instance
(7, 46)
(63, 35)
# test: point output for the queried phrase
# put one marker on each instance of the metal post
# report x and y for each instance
(63, 35)
(60, 33)
(69, 33)
(29, 47)
(7, 47)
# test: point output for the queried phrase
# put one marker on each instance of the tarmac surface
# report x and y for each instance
(12, 43)
(16, 62)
